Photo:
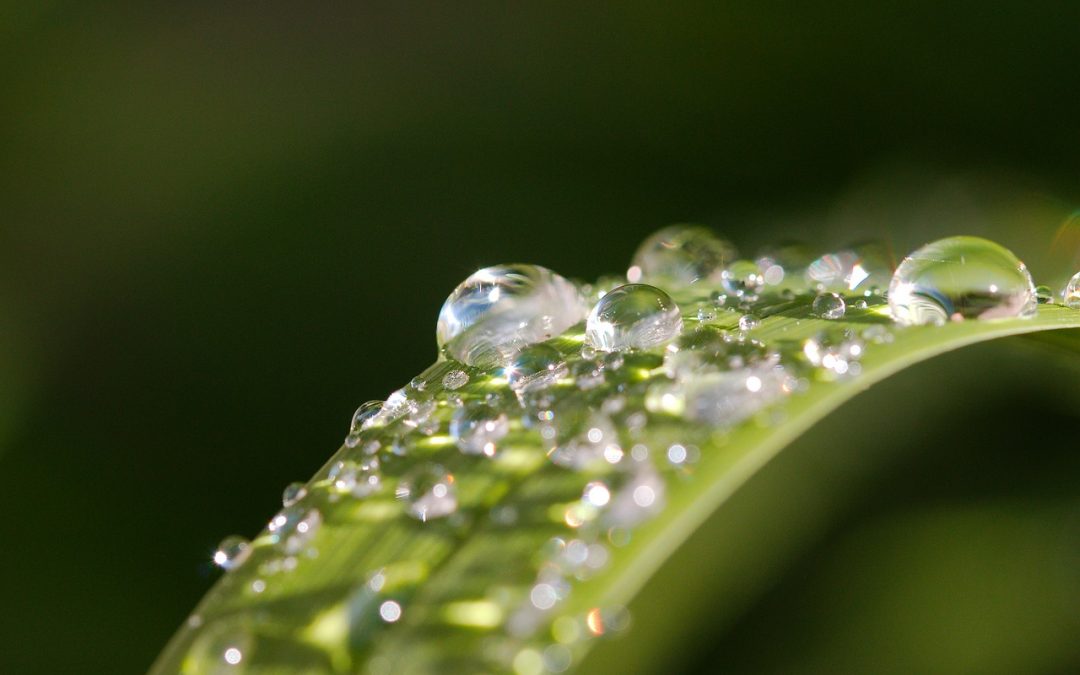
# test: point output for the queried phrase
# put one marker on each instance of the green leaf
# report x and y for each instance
(463, 583)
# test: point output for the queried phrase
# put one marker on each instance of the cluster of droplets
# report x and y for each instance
(587, 389)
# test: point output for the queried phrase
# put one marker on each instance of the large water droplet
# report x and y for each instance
(961, 278)
(499, 310)
(634, 316)
(1071, 295)
(477, 429)
(429, 491)
(683, 254)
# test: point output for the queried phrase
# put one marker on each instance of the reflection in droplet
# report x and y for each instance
(1071, 295)
(499, 310)
(477, 429)
(534, 368)
(961, 278)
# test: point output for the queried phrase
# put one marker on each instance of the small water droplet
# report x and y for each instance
(357, 478)
(293, 493)
(477, 429)
(1044, 294)
(783, 265)
(499, 310)
(748, 322)
(293, 527)
(960, 278)
(743, 279)
(365, 416)
(1071, 295)
(829, 306)
(683, 254)
(535, 368)
(455, 379)
(634, 316)
(429, 491)
(232, 552)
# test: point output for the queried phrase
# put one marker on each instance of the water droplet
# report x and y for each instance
(356, 478)
(783, 265)
(743, 279)
(857, 268)
(748, 322)
(477, 429)
(232, 552)
(595, 441)
(829, 306)
(535, 368)
(455, 379)
(1044, 294)
(499, 310)
(365, 416)
(429, 491)
(1071, 295)
(960, 278)
(634, 316)
(683, 254)
(293, 493)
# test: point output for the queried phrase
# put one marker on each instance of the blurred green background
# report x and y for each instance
(226, 225)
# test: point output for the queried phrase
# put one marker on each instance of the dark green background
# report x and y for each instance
(222, 227)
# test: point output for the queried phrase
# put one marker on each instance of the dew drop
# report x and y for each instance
(743, 278)
(477, 429)
(455, 379)
(829, 306)
(853, 269)
(232, 552)
(499, 310)
(748, 322)
(429, 491)
(293, 493)
(960, 278)
(365, 416)
(1071, 295)
(535, 368)
(293, 528)
(683, 254)
(357, 478)
(1044, 294)
(634, 316)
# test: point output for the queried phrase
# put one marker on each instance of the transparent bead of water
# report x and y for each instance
(829, 306)
(499, 310)
(783, 265)
(429, 492)
(748, 322)
(743, 279)
(293, 527)
(232, 552)
(634, 316)
(293, 493)
(961, 278)
(365, 416)
(534, 368)
(681, 254)
(1071, 295)
(853, 269)
(478, 428)
(455, 379)
(357, 478)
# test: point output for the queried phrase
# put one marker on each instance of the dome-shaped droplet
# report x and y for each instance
(960, 278)
(293, 493)
(829, 306)
(1071, 295)
(429, 492)
(634, 316)
(534, 368)
(455, 379)
(231, 552)
(477, 429)
(498, 310)
(682, 254)
(365, 416)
